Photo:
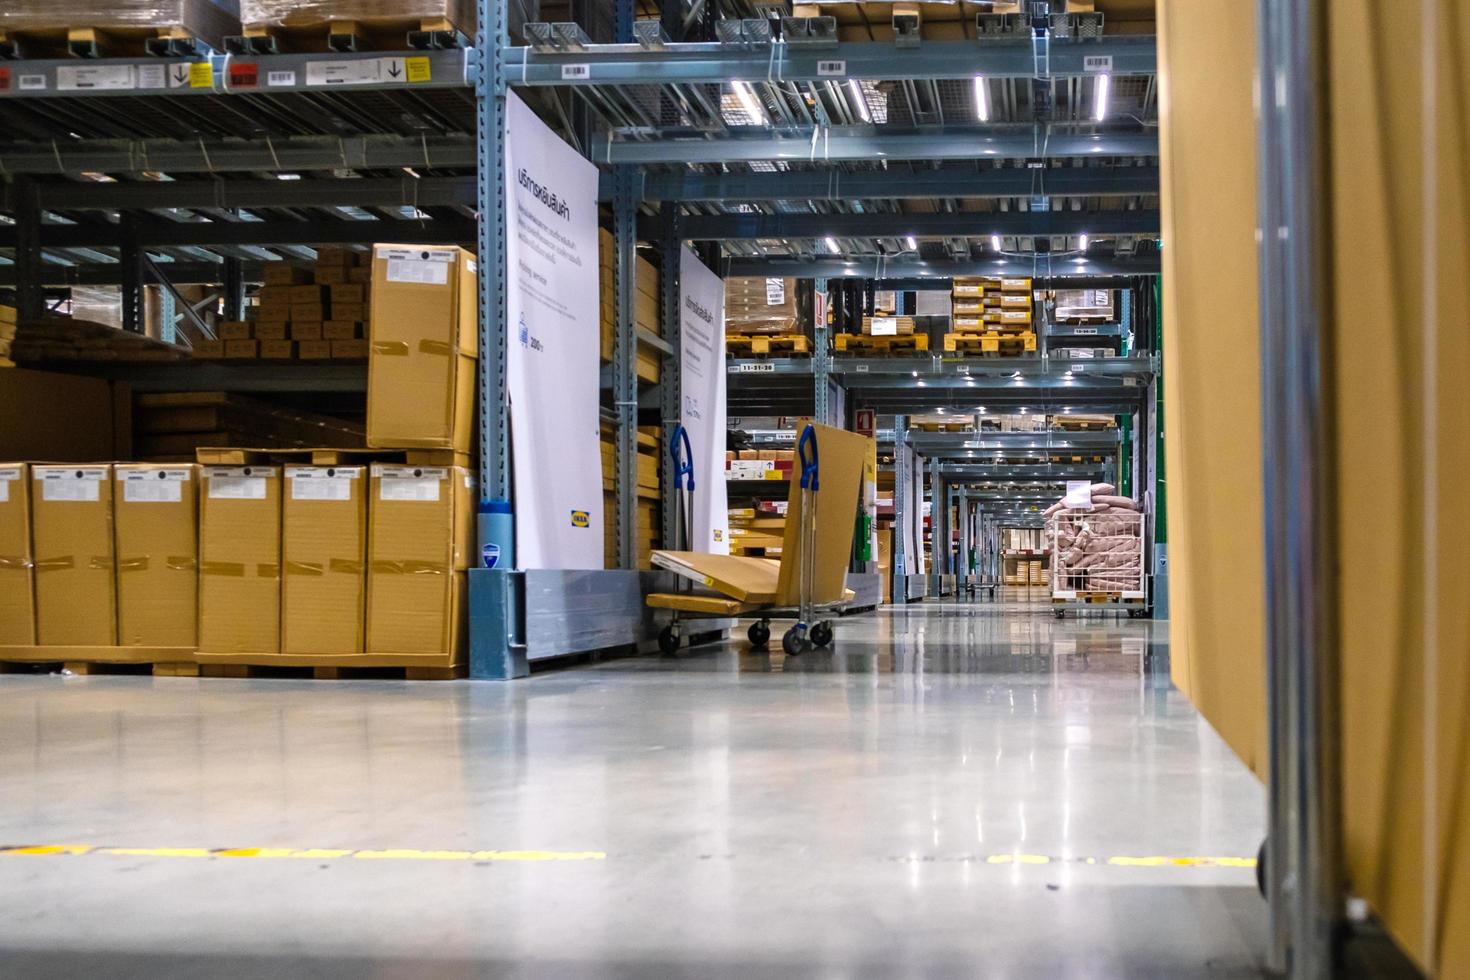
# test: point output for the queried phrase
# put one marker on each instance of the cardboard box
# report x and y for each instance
(156, 518)
(348, 293)
(271, 330)
(324, 542)
(313, 350)
(71, 525)
(360, 274)
(234, 330)
(1015, 285)
(1016, 301)
(277, 350)
(341, 330)
(17, 576)
(349, 349)
(306, 295)
(1015, 317)
(335, 256)
(285, 274)
(351, 311)
(421, 371)
(208, 349)
(330, 275)
(306, 330)
(240, 559)
(420, 537)
(242, 348)
(310, 311)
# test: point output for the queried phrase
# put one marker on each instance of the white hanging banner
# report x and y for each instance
(553, 345)
(702, 373)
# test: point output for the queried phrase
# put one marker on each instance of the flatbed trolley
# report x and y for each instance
(813, 626)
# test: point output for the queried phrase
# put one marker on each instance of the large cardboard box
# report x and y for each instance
(424, 329)
(71, 524)
(324, 541)
(156, 516)
(240, 559)
(17, 578)
(419, 541)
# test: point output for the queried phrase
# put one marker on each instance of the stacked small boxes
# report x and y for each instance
(647, 533)
(7, 335)
(647, 359)
(759, 530)
(304, 314)
(760, 305)
(991, 316)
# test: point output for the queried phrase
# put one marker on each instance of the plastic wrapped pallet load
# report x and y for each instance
(306, 13)
(208, 20)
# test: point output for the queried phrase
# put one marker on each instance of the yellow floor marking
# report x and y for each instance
(294, 853)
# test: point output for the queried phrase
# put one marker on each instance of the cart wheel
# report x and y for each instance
(759, 634)
(668, 640)
(792, 642)
(822, 634)
(1060, 613)
(1261, 870)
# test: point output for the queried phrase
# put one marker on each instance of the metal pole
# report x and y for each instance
(624, 366)
(821, 360)
(671, 384)
(1304, 880)
(902, 486)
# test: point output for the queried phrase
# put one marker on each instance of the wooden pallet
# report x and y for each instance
(169, 41)
(362, 34)
(853, 343)
(990, 343)
(330, 673)
(328, 456)
(756, 344)
(157, 661)
(1081, 425)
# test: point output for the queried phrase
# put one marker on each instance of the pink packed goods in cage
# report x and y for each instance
(1097, 543)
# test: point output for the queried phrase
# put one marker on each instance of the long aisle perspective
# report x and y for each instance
(958, 789)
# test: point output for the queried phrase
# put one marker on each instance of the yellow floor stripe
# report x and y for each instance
(474, 857)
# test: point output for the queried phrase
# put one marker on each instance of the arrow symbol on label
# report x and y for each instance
(395, 68)
(181, 76)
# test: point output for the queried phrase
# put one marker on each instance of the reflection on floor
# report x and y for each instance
(961, 789)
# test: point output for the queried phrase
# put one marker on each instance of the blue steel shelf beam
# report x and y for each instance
(714, 63)
(1039, 265)
(362, 192)
(1001, 142)
(819, 185)
(206, 233)
(725, 227)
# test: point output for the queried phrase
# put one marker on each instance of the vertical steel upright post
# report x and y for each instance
(130, 258)
(821, 360)
(496, 647)
(936, 508)
(964, 519)
(671, 382)
(234, 270)
(903, 476)
(30, 294)
(625, 340)
(1304, 869)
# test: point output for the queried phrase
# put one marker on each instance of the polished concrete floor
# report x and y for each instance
(961, 790)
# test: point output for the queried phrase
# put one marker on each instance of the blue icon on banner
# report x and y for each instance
(490, 554)
(525, 332)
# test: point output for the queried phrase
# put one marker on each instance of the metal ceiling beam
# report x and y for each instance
(898, 185)
(879, 267)
(213, 233)
(1028, 472)
(715, 63)
(110, 274)
(214, 155)
(366, 192)
(1000, 142)
(725, 227)
(931, 444)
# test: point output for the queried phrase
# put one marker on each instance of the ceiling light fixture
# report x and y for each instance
(1104, 82)
(832, 245)
(995, 242)
(860, 99)
(913, 243)
(982, 99)
(752, 105)
(1082, 242)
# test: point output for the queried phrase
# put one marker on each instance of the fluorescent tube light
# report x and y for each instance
(860, 99)
(982, 99)
(1104, 82)
(752, 105)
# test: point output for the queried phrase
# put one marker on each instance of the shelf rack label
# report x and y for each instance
(95, 78)
(761, 367)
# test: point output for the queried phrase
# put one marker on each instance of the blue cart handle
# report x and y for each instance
(683, 467)
(809, 463)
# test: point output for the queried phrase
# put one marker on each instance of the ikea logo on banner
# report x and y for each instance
(580, 518)
(719, 534)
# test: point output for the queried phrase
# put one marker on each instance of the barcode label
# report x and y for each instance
(829, 68)
(1097, 62)
(575, 73)
(284, 78)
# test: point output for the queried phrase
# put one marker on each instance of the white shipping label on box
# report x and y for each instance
(71, 485)
(428, 267)
(409, 482)
(1079, 494)
(885, 326)
(154, 486)
(322, 482)
(775, 292)
(238, 483)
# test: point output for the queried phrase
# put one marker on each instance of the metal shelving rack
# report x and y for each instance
(198, 169)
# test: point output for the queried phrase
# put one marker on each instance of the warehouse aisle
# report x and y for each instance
(963, 790)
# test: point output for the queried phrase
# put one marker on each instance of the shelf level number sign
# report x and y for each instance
(760, 367)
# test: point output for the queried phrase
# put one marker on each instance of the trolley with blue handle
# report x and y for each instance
(809, 630)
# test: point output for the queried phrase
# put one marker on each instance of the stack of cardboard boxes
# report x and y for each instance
(647, 359)
(759, 464)
(759, 305)
(305, 314)
(648, 514)
(243, 560)
(758, 530)
(991, 316)
(7, 335)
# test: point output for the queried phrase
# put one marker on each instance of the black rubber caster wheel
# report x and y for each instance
(1060, 614)
(1261, 870)
(668, 641)
(759, 634)
(821, 634)
(792, 642)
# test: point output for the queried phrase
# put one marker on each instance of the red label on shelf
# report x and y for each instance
(244, 75)
(4, 79)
